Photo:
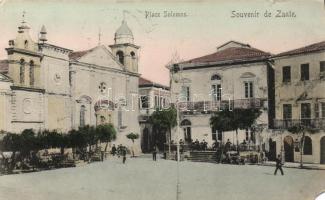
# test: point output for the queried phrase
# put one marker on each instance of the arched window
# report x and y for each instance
(120, 56)
(186, 125)
(132, 55)
(215, 77)
(31, 73)
(22, 71)
(308, 146)
(216, 87)
(102, 119)
(186, 122)
(82, 115)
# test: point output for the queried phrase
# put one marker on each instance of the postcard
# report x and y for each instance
(162, 100)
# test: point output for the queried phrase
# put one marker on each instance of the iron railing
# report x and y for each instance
(318, 123)
(201, 106)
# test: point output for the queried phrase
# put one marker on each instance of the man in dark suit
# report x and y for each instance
(124, 154)
(154, 154)
(278, 165)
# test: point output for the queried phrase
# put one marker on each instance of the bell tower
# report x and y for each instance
(124, 48)
(25, 59)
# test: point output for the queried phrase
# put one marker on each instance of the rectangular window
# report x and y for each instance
(286, 74)
(156, 102)
(22, 73)
(305, 114)
(161, 102)
(31, 75)
(216, 92)
(304, 72)
(287, 111)
(144, 101)
(185, 93)
(322, 70)
(323, 110)
(249, 89)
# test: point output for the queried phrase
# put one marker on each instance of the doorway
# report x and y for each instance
(288, 149)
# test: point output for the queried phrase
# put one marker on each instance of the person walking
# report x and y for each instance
(124, 154)
(154, 154)
(278, 165)
(113, 150)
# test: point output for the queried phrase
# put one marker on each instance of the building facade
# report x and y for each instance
(152, 96)
(237, 75)
(300, 101)
(44, 86)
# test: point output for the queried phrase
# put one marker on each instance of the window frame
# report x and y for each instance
(304, 72)
(286, 77)
(249, 89)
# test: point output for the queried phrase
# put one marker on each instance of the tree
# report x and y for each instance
(132, 136)
(233, 120)
(165, 119)
(10, 142)
(107, 133)
(301, 130)
(89, 133)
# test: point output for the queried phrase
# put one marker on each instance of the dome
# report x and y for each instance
(123, 34)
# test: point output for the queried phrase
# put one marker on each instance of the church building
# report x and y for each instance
(44, 86)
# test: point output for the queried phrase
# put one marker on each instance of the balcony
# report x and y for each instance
(205, 106)
(309, 123)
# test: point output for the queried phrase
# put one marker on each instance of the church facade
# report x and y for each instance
(44, 86)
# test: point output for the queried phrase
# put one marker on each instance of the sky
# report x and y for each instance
(208, 24)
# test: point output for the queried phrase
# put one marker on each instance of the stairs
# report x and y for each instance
(202, 156)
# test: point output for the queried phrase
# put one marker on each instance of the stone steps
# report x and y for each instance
(202, 156)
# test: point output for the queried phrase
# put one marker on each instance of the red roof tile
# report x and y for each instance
(4, 65)
(306, 49)
(232, 54)
(145, 83)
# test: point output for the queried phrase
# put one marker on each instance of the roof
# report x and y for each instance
(123, 30)
(147, 83)
(233, 42)
(306, 49)
(232, 54)
(78, 54)
(4, 65)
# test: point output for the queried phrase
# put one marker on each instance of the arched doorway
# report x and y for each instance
(186, 126)
(322, 150)
(272, 152)
(288, 149)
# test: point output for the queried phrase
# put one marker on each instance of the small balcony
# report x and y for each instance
(206, 106)
(309, 123)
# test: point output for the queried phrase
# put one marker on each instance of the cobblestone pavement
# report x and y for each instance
(142, 179)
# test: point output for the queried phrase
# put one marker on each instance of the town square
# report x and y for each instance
(143, 100)
(141, 178)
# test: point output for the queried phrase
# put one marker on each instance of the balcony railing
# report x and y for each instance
(201, 106)
(309, 123)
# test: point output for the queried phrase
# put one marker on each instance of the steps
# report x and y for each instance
(202, 156)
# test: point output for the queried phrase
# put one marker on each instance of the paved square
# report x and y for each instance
(142, 179)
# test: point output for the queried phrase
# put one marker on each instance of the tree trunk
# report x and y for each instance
(12, 164)
(106, 146)
(237, 140)
(169, 140)
(133, 148)
(302, 148)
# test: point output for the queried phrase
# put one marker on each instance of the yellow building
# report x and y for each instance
(300, 100)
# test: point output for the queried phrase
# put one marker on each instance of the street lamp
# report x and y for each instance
(176, 77)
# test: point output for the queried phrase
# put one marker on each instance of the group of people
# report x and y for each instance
(199, 146)
(120, 150)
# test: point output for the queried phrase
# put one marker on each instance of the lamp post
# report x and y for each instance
(176, 76)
